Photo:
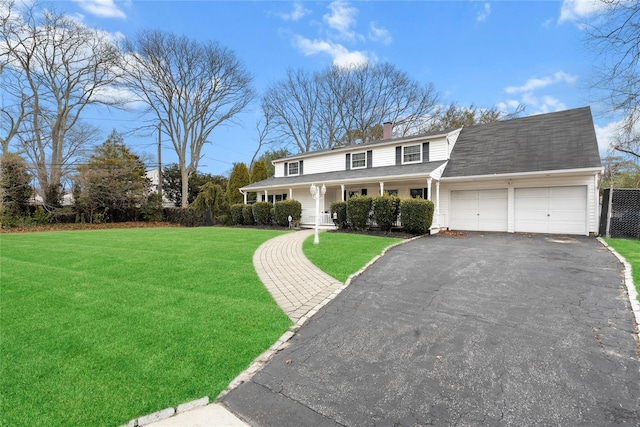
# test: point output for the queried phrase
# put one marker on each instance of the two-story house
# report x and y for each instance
(535, 174)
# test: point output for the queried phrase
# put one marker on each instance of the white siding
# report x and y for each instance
(438, 150)
(384, 156)
(279, 170)
(326, 163)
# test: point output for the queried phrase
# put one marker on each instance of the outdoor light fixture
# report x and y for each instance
(317, 195)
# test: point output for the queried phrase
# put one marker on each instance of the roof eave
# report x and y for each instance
(565, 172)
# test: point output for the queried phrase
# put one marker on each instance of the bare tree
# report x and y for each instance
(62, 67)
(341, 106)
(454, 117)
(189, 87)
(614, 36)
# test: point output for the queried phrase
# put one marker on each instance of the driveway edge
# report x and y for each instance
(632, 293)
(283, 342)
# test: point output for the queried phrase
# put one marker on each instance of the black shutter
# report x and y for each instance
(425, 152)
(284, 196)
(425, 193)
(363, 192)
(369, 158)
(347, 165)
(286, 169)
(344, 195)
(398, 156)
(300, 168)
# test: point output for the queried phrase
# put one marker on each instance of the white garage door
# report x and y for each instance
(558, 210)
(479, 210)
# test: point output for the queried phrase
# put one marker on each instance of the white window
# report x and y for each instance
(412, 154)
(294, 168)
(358, 160)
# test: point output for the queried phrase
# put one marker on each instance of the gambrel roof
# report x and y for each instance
(545, 142)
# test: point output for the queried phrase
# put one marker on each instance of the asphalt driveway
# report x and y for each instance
(472, 330)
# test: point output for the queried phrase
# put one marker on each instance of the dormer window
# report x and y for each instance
(294, 168)
(358, 160)
(412, 154)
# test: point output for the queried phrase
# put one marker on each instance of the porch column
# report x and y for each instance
(437, 207)
(244, 195)
(342, 192)
(381, 188)
(290, 193)
(429, 188)
(265, 196)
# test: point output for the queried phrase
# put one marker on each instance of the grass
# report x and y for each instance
(630, 249)
(99, 327)
(342, 254)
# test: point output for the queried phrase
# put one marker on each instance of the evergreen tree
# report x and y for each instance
(113, 182)
(239, 178)
(14, 186)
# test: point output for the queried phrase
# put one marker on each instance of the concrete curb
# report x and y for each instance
(167, 413)
(632, 293)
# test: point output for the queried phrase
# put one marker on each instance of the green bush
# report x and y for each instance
(340, 208)
(247, 215)
(262, 213)
(237, 217)
(40, 217)
(385, 211)
(416, 215)
(358, 209)
(183, 216)
(152, 209)
(286, 208)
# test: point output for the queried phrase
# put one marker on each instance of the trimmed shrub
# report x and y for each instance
(416, 215)
(358, 209)
(262, 213)
(247, 215)
(385, 211)
(340, 208)
(186, 217)
(237, 217)
(282, 210)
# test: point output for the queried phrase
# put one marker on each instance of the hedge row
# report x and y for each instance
(265, 213)
(359, 212)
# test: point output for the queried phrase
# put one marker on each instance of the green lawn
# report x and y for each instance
(342, 254)
(99, 327)
(630, 249)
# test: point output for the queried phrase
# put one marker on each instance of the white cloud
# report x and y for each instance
(341, 18)
(342, 57)
(484, 13)
(538, 83)
(102, 8)
(379, 34)
(296, 14)
(574, 10)
(607, 134)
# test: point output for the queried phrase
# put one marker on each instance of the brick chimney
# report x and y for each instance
(387, 130)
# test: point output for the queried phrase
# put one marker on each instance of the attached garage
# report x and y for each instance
(479, 210)
(559, 210)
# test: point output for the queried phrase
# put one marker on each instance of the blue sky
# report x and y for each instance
(497, 53)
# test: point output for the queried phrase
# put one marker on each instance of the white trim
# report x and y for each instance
(365, 160)
(289, 168)
(566, 172)
(419, 145)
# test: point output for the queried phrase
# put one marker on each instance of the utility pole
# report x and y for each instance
(160, 163)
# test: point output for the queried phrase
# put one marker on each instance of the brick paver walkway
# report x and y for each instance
(297, 285)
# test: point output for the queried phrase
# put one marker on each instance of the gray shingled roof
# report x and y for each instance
(384, 172)
(554, 141)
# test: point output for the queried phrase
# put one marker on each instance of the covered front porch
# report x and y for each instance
(426, 187)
